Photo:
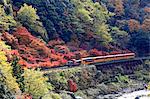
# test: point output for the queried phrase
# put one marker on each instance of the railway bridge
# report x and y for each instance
(127, 64)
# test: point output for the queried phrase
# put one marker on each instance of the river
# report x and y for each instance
(143, 94)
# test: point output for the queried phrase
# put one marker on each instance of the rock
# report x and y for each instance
(109, 96)
(78, 97)
(81, 93)
(65, 96)
(92, 92)
(102, 88)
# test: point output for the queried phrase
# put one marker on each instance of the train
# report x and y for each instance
(100, 59)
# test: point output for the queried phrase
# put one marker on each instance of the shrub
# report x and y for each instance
(72, 85)
(35, 83)
(95, 52)
(52, 96)
(58, 80)
(121, 78)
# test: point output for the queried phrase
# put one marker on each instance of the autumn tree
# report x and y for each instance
(146, 25)
(93, 17)
(119, 8)
(6, 69)
(57, 16)
(28, 17)
(134, 25)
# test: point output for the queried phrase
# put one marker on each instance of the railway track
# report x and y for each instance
(124, 60)
(99, 66)
(128, 65)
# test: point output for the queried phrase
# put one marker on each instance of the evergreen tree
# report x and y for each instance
(140, 43)
(17, 72)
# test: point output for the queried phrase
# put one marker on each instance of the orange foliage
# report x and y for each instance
(119, 8)
(72, 85)
(81, 54)
(115, 52)
(52, 43)
(22, 63)
(61, 49)
(10, 39)
(34, 52)
(147, 9)
(95, 52)
(133, 25)
(146, 25)
(23, 96)
(69, 56)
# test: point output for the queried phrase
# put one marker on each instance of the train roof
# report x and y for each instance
(108, 56)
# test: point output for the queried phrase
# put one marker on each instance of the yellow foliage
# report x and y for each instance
(35, 83)
(52, 95)
(27, 13)
(6, 21)
(149, 86)
(6, 69)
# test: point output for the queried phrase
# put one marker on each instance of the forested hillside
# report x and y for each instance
(49, 33)
(132, 16)
(121, 22)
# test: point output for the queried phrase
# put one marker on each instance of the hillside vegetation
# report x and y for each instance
(38, 34)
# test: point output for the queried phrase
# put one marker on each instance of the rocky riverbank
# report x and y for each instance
(143, 94)
(122, 92)
(108, 83)
(110, 91)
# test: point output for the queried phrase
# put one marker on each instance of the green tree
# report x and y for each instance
(140, 42)
(7, 21)
(52, 96)
(28, 17)
(93, 17)
(5, 92)
(8, 6)
(58, 17)
(120, 37)
(35, 83)
(17, 72)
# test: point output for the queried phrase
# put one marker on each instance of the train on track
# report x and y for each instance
(100, 59)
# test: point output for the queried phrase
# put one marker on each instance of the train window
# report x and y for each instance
(89, 60)
(78, 62)
(70, 63)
